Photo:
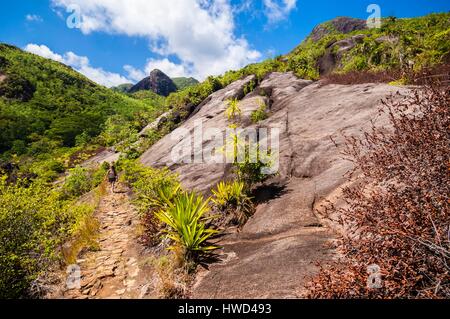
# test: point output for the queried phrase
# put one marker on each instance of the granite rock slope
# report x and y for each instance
(280, 245)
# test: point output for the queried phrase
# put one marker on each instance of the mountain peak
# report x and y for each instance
(157, 72)
(157, 82)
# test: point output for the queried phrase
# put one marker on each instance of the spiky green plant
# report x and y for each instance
(232, 197)
(234, 145)
(186, 218)
(233, 110)
(229, 194)
(166, 194)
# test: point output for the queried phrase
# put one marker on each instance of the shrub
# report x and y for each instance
(260, 114)
(186, 218)
(252, 171)
(19, 147)
(98, 176)
(250, 87)
(47, 169)
(33, 223)
(153, 188)
(397, 214)
(78, 182)
(231, 197)
(250, 164)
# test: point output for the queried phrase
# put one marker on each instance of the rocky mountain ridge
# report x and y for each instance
(158, 82)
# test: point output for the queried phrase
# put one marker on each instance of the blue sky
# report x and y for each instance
(122, 40)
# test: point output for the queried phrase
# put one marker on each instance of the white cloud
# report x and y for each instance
(243, 6)
(200, 33)
(134, 74)
(166, 66)
(100, 76)
(80, 64)
(33, 18)
(44, 52)
(170, 68)
(278, 10)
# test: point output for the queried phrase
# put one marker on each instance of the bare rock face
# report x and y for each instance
(341, 24)
(212, 115)
(279, 246)
(157, 82)
(335, 51)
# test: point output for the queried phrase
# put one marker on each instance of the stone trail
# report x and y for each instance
(117, 269)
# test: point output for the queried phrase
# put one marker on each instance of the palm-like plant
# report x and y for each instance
(232, 197)
(186, 218)
(234, 145)
(248, 160)
(233, 110)
(166, 194)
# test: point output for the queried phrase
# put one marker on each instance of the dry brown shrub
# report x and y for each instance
(361, 77)
(400, 219)
(436, 74)
(151, 230)
(173, 280)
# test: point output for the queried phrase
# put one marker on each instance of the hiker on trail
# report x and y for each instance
(112, 176)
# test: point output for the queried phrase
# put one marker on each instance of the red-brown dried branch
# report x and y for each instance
(400, 218)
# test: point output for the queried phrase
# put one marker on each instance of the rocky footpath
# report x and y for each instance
(280, 245)
(117, 269)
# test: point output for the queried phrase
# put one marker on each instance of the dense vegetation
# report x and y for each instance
(35, 221)
(123, 88)
(52, 119)
(183, 82)
(47, 110)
